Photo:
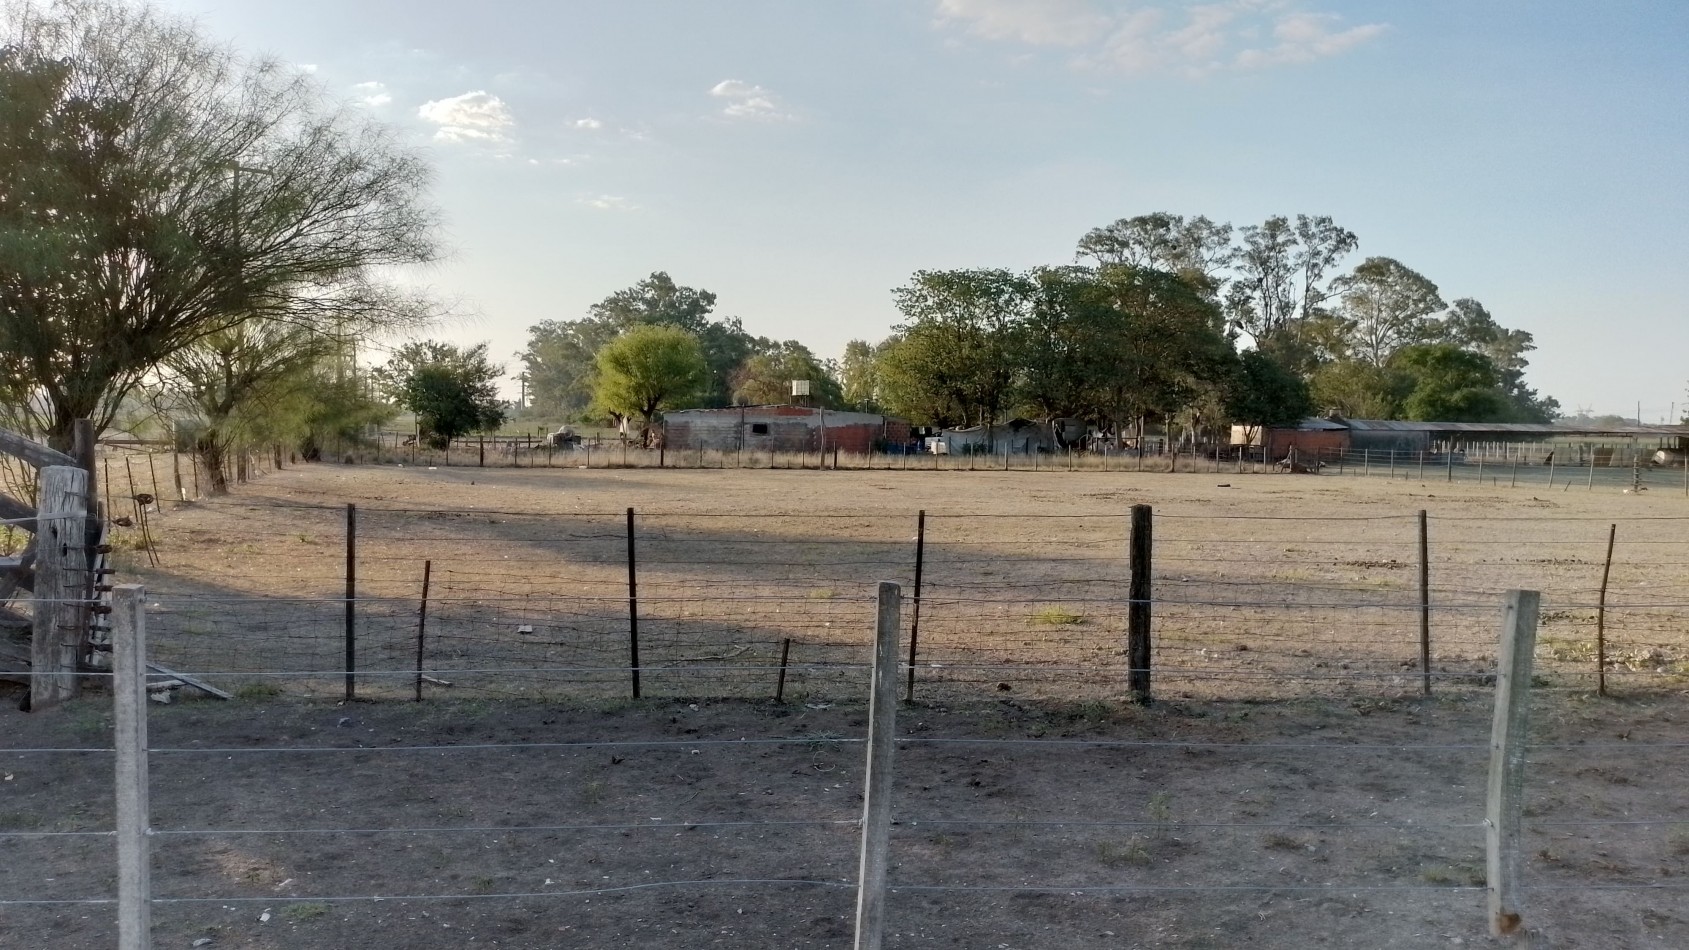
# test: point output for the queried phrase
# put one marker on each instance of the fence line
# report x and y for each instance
(915, 873)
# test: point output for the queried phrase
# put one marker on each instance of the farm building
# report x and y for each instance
(1336, 435)
(1015, 437)
(783, 429)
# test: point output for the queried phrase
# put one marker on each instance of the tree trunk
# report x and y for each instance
(213, 456)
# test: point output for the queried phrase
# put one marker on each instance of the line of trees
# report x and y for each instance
(1161, 318)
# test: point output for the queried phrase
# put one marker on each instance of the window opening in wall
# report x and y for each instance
(759, 428)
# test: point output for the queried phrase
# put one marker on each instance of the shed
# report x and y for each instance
(1313, 437)
(783, 429)
(1015, 437)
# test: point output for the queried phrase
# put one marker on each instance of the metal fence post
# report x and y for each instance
(129, 722)
(1507, 759)
(1424, 604)
(915, 610)
(1140, 548)
(876, 784)
(351, 602)
(633, 609)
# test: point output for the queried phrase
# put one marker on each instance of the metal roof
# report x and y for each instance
(1514, 428)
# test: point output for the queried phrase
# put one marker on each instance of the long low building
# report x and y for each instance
(1318, 437)
(784, 429)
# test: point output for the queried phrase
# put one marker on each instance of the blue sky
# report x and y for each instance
(802, 159)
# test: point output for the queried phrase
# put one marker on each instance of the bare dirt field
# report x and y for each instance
(1290, 787)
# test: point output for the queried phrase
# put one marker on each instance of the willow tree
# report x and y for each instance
(157, 189)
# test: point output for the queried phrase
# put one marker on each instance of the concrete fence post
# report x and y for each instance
(1507, 760)
(129, 722)
(876, 797)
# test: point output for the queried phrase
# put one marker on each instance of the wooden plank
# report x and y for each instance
(16, 513)
(1507, 760)
(34, 453)
(187, 680)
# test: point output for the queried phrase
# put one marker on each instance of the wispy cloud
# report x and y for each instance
(1189, 38)
(747, 101)
(472, 117)
(590, 124)
(607, 203)
(372, 94)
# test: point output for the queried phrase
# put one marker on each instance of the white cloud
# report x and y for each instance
(745, 101)
(589, 123)
(607, 203)
(1178, 37)
(472, 117)
(1039, 22)
(307, 68)
(372, 94)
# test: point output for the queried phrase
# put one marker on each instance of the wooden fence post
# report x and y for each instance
(876, 784)
(61, 585)
(422, 624)
(1138, 608)
(129, 722)
(1601, 616)
(1507, 759)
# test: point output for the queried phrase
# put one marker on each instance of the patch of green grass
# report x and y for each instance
(257, 692)
(1056, 616)
(1457, 875)
(1114, 854)
(1279, 841)
(481, 885)
(300, 913)
(823, 593)
(1678, 839)
(592, 793)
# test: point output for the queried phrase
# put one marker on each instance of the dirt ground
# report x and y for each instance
(1336, 808)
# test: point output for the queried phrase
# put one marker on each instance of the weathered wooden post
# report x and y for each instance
(1601, 616)
(1507, 760)
(876, 784)
(61, 585)
(129, 727)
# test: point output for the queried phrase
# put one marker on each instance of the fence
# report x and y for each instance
(330, 600)
(661, 834)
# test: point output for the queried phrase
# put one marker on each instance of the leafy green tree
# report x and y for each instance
(561, 354)
(1195, 249)
(1360, 390)
(1451, 385)
(649, 369)
(1386, 305)
(1279, 272)
(1064, 342)
(1167, 347)
(245, 385)
(1469, 325)
(765, 378)
(953, 361)
(560, 363)
(859, 377)
(1264, 393)
(157, 189)
(451, 390)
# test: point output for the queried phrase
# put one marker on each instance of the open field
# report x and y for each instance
(1289, 788)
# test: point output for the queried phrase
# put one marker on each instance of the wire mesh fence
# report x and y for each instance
(621, 603)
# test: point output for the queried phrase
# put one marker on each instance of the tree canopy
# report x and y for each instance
(450, 389)
(649, 369)
(156, 189)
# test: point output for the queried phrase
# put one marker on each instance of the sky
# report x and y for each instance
(800, 160)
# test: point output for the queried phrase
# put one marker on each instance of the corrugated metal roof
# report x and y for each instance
(1514, 428)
